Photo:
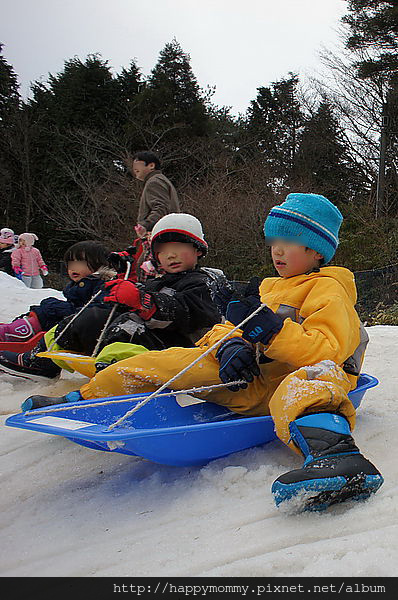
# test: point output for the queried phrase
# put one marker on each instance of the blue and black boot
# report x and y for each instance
(27, 365)
(44, 401)
(334, 469)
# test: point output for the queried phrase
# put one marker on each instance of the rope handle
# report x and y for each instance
(178, 375)
(129, 397)
(95, 351)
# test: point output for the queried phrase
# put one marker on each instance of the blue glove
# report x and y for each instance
(237, 361)
(262, 327)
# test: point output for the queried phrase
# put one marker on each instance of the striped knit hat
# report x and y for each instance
(307, 219)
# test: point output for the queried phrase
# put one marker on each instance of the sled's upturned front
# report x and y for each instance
(177, 430)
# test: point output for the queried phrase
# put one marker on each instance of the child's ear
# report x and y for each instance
(318, 256)
(198, 252)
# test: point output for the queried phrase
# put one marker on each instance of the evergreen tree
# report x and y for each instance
(9, 176)
(323, 161)
(373, 39)
(172, 96)
(9, 95)
(373, 26)
(274, 118)
(84, 94)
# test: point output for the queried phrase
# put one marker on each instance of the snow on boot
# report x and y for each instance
(334, 470)
(28, 365)
(43, 401)
(20, 330)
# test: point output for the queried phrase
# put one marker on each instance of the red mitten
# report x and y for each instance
(123, 292)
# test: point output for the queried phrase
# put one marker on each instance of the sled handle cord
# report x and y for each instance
(187, 368)
(109, 319)
(72, 319)
(82, 404)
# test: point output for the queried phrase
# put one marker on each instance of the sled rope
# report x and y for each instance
(187, 368)
(109, 319)
(80, 312)
(71, 321)
(194, 390)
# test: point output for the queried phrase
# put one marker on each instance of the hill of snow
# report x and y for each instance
(70, 511)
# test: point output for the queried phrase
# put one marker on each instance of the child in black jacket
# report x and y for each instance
(86, 265)
(174, 309)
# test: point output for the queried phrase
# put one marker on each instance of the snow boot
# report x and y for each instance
(334, 470)
(20, 330)
(28, 365)
(43, 401)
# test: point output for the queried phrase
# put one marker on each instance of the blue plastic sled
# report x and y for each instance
(173, 430)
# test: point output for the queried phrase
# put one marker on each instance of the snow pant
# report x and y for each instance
(277, 391)
(33, 281)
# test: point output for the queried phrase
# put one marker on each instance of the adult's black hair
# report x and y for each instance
(148, 157)
(94, 253)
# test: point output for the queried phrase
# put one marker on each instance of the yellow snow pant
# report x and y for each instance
(278, 391)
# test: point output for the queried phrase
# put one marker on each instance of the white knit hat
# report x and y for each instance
(29, 238)
(6, 236)
(179, 227)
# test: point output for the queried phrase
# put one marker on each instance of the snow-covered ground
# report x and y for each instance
(70, 511)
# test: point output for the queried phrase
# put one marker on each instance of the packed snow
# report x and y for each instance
(70, 511)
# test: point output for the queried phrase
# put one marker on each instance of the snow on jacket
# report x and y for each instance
(5, 260)
(29, 259)
(320, 321)
(158, 199)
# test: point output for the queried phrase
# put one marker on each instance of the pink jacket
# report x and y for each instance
(29, 259)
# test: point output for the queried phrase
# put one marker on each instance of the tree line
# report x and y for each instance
(64, 150)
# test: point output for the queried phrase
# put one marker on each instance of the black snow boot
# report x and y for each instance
(28, 365)
(44, 401)
(334, 470)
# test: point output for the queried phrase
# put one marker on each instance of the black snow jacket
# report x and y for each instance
(185, 310)
(5, 261)
(51, 311)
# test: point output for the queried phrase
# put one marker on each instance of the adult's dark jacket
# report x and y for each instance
(185, 310)
(5, 261)
(158, 198)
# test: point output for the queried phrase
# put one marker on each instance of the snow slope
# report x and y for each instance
(70, 511)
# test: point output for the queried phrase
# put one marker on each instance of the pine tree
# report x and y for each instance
(9, 175)
(373, 39)
(373, 27)
(172, 96)
(84, 94)
(9, 95)
(274, 117)
(323, 160)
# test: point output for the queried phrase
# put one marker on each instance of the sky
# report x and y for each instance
(234, 45)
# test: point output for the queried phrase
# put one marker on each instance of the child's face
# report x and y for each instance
(77, 269)
(175, 257)
(292, 259)
(22, 243)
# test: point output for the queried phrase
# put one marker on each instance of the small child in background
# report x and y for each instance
(27, 261)
(6, 248)
(84, 262)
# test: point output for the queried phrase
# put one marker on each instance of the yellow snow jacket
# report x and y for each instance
(320, 321)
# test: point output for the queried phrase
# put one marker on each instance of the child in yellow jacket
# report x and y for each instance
(295, 360)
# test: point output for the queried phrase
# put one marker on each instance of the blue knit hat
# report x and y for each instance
(307, 219)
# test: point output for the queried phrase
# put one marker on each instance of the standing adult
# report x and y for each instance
(158, 198)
